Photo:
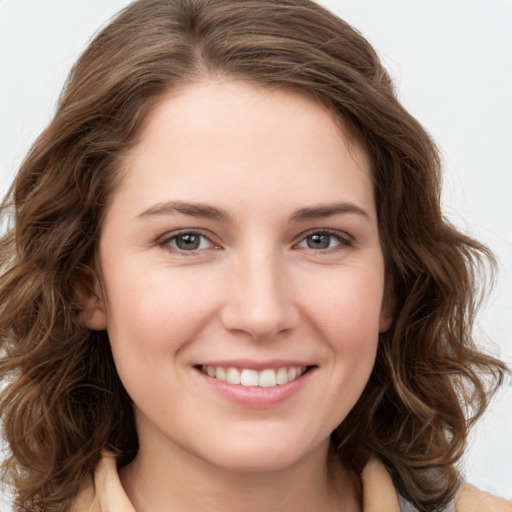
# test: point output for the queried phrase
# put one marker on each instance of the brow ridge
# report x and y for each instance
(328, 210)
(193, 209)
(207, 211)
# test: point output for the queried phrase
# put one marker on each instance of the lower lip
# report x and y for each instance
(255, 396)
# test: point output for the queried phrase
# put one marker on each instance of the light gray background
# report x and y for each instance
(452, 63)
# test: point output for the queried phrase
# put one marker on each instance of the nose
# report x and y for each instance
(259, 297)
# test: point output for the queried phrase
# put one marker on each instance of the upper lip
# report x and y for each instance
(256, 365)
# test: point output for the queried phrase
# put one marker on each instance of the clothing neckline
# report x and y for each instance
(106, 494)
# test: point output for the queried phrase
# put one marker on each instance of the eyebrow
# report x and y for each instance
(207, 211)
(328, 210)
(200, 210)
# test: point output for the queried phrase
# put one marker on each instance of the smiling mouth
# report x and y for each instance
(247, 377)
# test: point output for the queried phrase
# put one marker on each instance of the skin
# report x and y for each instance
(258, 287)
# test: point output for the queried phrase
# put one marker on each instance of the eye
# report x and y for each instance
(186, 241)
(324, 240)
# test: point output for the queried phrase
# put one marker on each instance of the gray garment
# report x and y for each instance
(406, 506)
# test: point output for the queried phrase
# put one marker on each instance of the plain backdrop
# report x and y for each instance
(452, 64)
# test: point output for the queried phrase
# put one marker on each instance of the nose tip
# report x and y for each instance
(259, 303)
(259, 324)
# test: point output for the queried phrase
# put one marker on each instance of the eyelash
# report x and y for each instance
(166, 241)
(344, 241)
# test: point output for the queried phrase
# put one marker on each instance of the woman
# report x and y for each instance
(228, 272)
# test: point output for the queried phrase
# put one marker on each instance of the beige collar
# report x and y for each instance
(108, 495)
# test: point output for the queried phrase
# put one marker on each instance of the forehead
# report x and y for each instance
(245, 140)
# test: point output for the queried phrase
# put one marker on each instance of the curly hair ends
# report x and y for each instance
(63, 402)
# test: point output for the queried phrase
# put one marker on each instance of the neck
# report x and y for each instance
(178, 481)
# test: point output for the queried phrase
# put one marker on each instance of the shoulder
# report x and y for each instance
(105, 492)
(467, 499)
(85, 501)
(380, 495)
(470, 499)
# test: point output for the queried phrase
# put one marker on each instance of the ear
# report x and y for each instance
(387, 310)
(90, 294)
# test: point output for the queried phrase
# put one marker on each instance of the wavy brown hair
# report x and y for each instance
(63, 402)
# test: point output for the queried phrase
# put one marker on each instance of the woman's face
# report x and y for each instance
(242, 277)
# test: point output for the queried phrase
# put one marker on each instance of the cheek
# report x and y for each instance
(158, 311)
(348, 307)
(152, 318)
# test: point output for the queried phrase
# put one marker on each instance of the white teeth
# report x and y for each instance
(267, 379)
(282, 376)
(251, 378)
(233, 376)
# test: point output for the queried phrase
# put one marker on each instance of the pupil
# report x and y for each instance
(318, 241)
(188, 242)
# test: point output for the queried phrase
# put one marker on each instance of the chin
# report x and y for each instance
(260, 457)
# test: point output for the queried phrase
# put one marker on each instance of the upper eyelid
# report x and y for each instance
(343, 235)
(171, 235)
(168, 235)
